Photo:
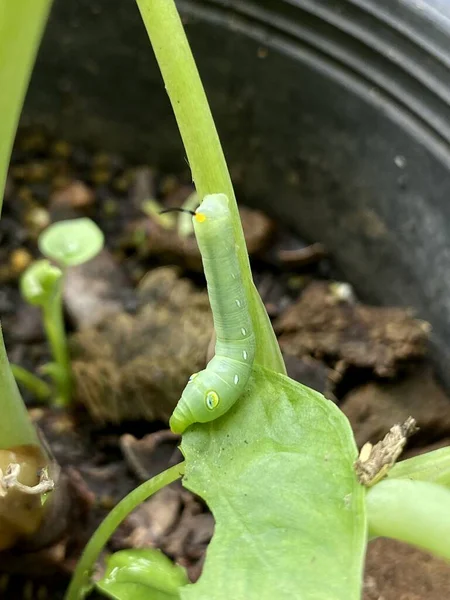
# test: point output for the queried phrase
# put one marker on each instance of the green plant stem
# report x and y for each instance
(53, 317)
(40, 389)
(203, 149)
(415, 512)
(80, 584)
(16, 428)
(21, 26)
(431, 466)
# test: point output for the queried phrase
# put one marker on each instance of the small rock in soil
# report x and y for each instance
(74, 195)
(324, 325)
(20, 259)
(136, 366)
(96, 290)
(373, 408)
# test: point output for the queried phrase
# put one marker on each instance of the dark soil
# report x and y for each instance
(140, 323)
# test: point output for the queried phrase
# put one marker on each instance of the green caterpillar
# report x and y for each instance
(212, 392)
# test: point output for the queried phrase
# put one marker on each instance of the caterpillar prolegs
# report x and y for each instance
(212, 392)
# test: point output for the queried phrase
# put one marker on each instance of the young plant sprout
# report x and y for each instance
(68, 243)
(41, 285)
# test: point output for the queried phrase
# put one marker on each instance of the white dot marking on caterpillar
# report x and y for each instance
(245, 354)
(236, 379)
(238, 303)
(243, 331)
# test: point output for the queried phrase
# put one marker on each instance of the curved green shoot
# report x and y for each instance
(72, 242)
(21, 27)
(40, 282)
(41, 285)
(141, 574)
(431, 466)
(68, 243)
(415, 512)
(80, 584)
(203, 149)
(41, 390)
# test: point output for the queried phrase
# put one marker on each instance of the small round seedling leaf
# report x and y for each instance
(40, 282)
(141, 574)
(71, 242)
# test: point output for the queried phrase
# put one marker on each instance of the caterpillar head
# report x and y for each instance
(198, 404)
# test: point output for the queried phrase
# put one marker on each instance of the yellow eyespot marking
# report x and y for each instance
(192, 377)
(212, 400)
(200, 217)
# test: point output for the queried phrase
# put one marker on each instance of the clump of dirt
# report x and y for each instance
(120, 376)
(327, 324)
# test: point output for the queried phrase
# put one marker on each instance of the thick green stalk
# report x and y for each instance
(80, 585)
(203, 149)
(415, 512)
(21, 26)
(16, 428)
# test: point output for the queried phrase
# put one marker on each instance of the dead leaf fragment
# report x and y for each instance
(374, 462)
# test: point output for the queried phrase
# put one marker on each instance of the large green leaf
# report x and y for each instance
(277, 472)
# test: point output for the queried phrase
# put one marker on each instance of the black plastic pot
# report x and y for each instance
(334, 115)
